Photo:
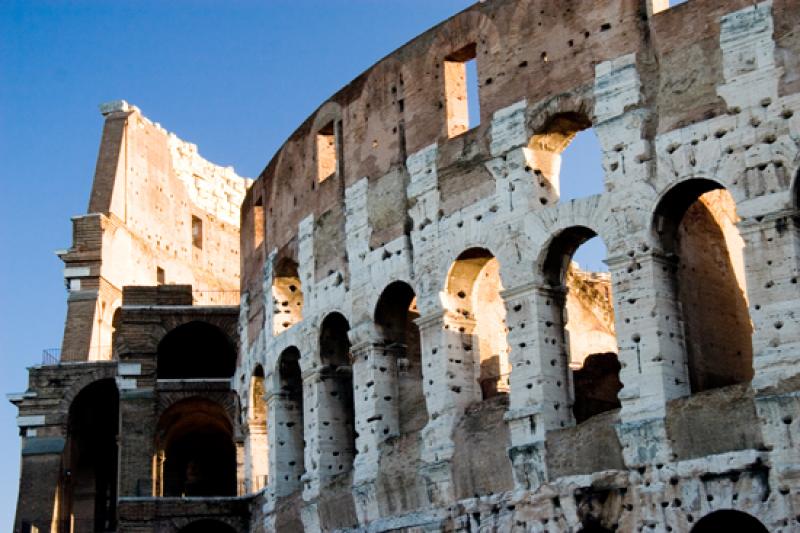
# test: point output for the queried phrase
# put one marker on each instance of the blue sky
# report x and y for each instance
(234, 77)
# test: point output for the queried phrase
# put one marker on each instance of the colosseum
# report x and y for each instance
(386, 330)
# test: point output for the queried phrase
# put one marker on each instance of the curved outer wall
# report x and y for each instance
(703, 90)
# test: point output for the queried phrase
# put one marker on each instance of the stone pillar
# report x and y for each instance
(136, 445)
(286, 466)
(40, 479)
(772, 266)
(449, 383)
(312, 394)
(651, 351)
(377, 416)
(540, 377)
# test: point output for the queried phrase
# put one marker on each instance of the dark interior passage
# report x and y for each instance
(90, 476)
(337, 413)
(196, 350)
(395, 315)
(199, 456)
(290, 422)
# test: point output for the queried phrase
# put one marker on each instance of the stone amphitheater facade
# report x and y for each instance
(413, 349)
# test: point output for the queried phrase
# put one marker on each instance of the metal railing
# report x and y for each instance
(56, 356)
(214, 297)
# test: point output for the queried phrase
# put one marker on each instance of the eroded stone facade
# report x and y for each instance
(415, 352)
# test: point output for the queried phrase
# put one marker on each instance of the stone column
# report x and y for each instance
(449, 383)
(651, 351)
(286, 465)
(540, 378)
(377, 417)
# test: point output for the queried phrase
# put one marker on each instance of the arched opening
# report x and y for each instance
(290, 426)
(593, 525)
(196, 350)
(476, 308)
(567, 158)
(257, 428)
(208, 526)
(336, 410)
(583, 318)
(395, 315)
(197, 456)
(89, 482)
(287, 296)
(729, 520)
(695, 223)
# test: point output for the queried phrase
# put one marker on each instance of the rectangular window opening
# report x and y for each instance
(657, 6)
(326, 152)
(197, 232)
(462, 97)
(160, 276)
(258, 222)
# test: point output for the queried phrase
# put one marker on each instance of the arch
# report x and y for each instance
(395, 315)
(547, 146)
(89, 482)
(337, 414)
(583, 318)
(208, 526)
(196, 453)
(289, 424)
(195, 350)
(475, 307)
(729, 520)
(287, 296)
(258, 444)
(694, 223)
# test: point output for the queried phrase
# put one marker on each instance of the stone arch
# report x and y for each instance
(289, 423)
(196, 455)
(592, 212)
(337, 413)
(694, 224)
(100, 372)
(474, 308)
(546, 146)
(194, 350)
(88, 485)
(287, 295)
(395, 315)
(582, 317)
(729, 520)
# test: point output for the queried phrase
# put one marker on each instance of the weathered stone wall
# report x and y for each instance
(696, 100)
(149, 186)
